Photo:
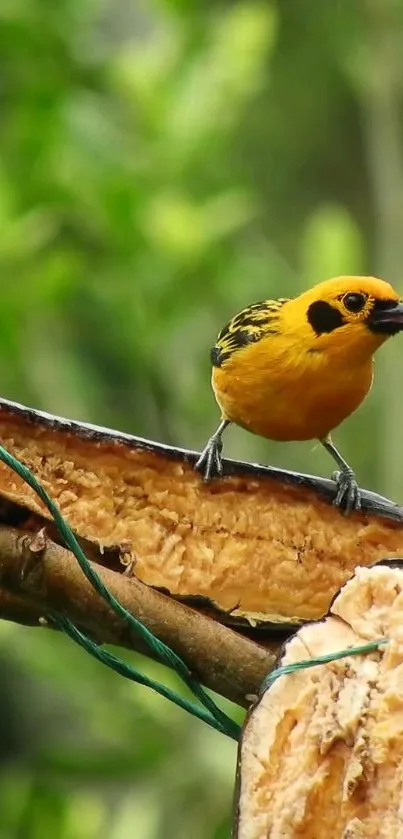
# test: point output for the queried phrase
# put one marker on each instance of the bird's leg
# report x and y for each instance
(209, 462)
(348, 493)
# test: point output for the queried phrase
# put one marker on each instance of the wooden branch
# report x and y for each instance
(38, 577)
(19, 609)
(260, 546)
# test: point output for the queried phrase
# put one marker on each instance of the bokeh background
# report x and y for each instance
(162, 164)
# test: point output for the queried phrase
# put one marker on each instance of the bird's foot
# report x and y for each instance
(210, 462)
(348, 495)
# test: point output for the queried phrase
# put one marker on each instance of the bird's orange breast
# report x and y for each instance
(283, 393)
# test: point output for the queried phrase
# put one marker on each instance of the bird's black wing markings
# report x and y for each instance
(247, 327)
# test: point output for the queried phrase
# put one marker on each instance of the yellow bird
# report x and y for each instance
(295, 368)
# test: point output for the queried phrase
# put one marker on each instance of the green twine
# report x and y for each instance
(209, 713)
(320, 659)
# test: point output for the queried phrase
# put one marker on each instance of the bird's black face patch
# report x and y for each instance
(323, 317)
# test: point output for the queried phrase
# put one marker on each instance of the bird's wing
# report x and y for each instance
(247, 327)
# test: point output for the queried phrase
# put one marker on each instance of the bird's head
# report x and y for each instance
(351, 314)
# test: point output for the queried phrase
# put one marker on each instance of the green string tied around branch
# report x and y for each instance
(207, 711)
(304, 664)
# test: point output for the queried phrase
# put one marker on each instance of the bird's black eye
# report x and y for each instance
(354, 302)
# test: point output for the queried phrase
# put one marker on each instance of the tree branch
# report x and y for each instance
(38, 577)
(259, 545)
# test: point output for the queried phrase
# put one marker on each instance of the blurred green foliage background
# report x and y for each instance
(162, 164)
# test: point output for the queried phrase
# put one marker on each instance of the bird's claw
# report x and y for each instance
(210, 462)
(348, 495)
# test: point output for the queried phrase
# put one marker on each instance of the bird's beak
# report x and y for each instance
(387, 319)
